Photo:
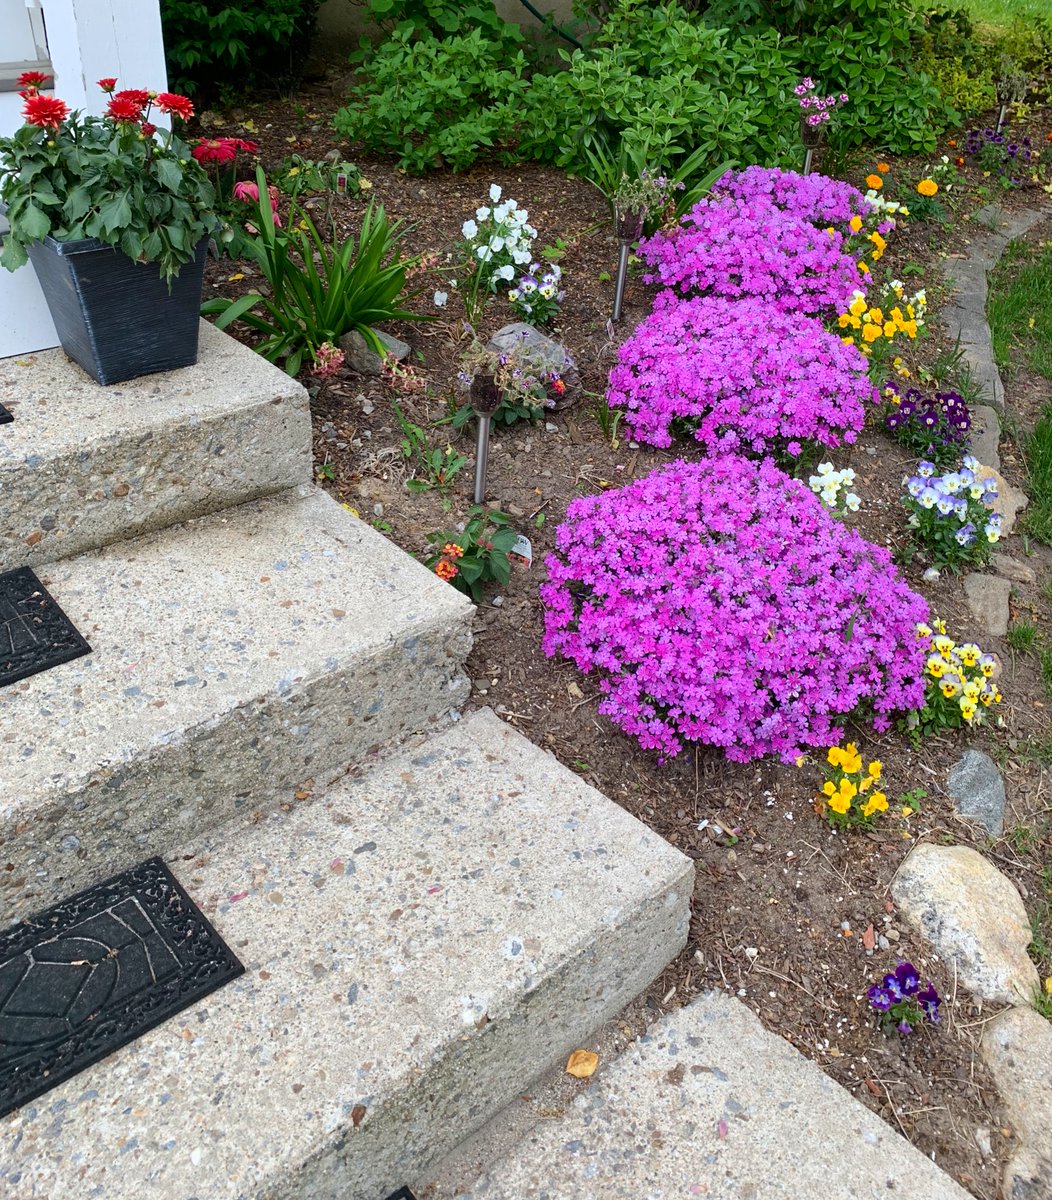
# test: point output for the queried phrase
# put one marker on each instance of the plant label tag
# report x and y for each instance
(522, 551)
(341, 184)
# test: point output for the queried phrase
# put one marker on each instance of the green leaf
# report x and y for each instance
(32, 224)
(115, 214)
(13, 255)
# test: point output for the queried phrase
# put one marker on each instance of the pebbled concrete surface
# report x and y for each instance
(234, 658)
(709, 1104)
(420, 944)
(83, 465)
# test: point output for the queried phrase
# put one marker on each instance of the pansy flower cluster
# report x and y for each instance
(1009, 160)
(828, 483)
(739, 248)
(873, 326)
(718, 602)
(952, 514)
(497, 241)
(936, 427)
(738, 375)
(902, 1003)
(850, 795)
(537, 293)
(959, 683)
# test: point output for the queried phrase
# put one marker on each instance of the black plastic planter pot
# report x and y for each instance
(116, 317)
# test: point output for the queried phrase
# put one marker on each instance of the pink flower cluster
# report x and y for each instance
(733, 247)
(741, 375)
(818, 108)
(815, 198)
(718, 602)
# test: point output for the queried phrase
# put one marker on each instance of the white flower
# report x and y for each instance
(519, 215)
(520, 256)
(852, 502)
(513, 295)
(440, 299)
(482, 214)
(500, 213)
(494, 192)
(469, 229)
(496, 244)
(484, 253)
(547, 291)
(505, 272)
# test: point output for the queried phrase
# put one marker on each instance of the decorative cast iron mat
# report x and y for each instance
(403, 1193)
(96, 971)
(35, 633)
(5, 417)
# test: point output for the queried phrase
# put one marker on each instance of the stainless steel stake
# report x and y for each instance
(481, 458)
(619, 284)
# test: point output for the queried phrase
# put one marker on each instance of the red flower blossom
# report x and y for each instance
(107, 85)
(221, 150)
(248, 147)
(44, 111)
(32, 79)
(148, 129)
(140, 97)
(558, 387)
(123, 110)
(179, 106)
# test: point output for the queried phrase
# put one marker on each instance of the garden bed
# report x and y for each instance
(785, 909)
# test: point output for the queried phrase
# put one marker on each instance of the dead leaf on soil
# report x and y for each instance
(582, 1064)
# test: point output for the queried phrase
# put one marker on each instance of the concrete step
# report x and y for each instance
(420, 943)
(710, 1104)
(83, 465)
(234, 658)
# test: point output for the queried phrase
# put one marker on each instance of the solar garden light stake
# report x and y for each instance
(629, 227)
(485, 400)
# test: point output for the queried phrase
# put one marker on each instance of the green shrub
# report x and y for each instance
(221, 49)
(429, 101)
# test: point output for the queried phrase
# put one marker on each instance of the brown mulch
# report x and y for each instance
(784, 908)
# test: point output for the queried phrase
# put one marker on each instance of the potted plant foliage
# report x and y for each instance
(114, 213)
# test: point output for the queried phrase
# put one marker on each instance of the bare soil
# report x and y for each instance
(784, 909)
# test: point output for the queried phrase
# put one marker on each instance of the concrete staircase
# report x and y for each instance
(430, 914)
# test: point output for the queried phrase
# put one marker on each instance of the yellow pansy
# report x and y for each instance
(875, 769)
(936, 667)
(839, 803)
(855, 224)
(878, 802)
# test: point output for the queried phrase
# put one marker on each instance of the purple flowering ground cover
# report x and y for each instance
(740, 376)
(816, 197)
(751, 620)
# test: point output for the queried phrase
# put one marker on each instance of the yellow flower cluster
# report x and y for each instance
(962, 675)
(851, 795)
(872, 322)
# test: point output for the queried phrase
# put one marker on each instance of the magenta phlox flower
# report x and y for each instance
(736, 248)
(744, 377)
(816, 198)
(718, 602)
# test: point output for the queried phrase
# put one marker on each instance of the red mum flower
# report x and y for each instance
(178, 106)
(215, 150)
(137, 96)
(44, 111)
(107, 85)
(248, 147)
(148, 129)
(123, 110)
(32, 79)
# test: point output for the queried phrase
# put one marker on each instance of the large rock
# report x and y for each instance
(974, 918)
(1009, 502)
(1017, 1046)
(361, 357)
(985, 436)
(978, 792)
(1012, 568)
(988, 599)
(539, 353)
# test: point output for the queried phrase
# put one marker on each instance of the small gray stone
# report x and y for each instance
(988, 599)
(985, 436)
(361, 357)
(1012, 568)
(978, 792)
(1017, 1046)
(972, 915)
(539, 353)
(1009, 500)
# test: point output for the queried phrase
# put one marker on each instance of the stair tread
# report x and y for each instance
(709, 1103)
(419, 942)
(238, 617)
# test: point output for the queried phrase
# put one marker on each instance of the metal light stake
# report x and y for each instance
(809, 155)
(629, 228)
(1001, 114)
(485, 400)
(619, 283)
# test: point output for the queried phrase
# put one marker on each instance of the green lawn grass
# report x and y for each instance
(1003, 12)
(1020, 314)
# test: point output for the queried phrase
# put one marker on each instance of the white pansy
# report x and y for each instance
(506, 272)
(547, 291)
(494, 192)
(482, 214)
(484, 253)
(496, 244)
(520, 256)
(469, 229)
(852, 502)
(500, 213)
(440, 299)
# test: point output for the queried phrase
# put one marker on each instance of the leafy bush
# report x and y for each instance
(718, 602)
(742, 376)
(218, 48)
(317, 292)
(428, 100)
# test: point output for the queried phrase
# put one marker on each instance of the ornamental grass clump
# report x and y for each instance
(934, 427)
(719, 603)
(739, 376)
(952, 515)
(740, 248)
(815, 198)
